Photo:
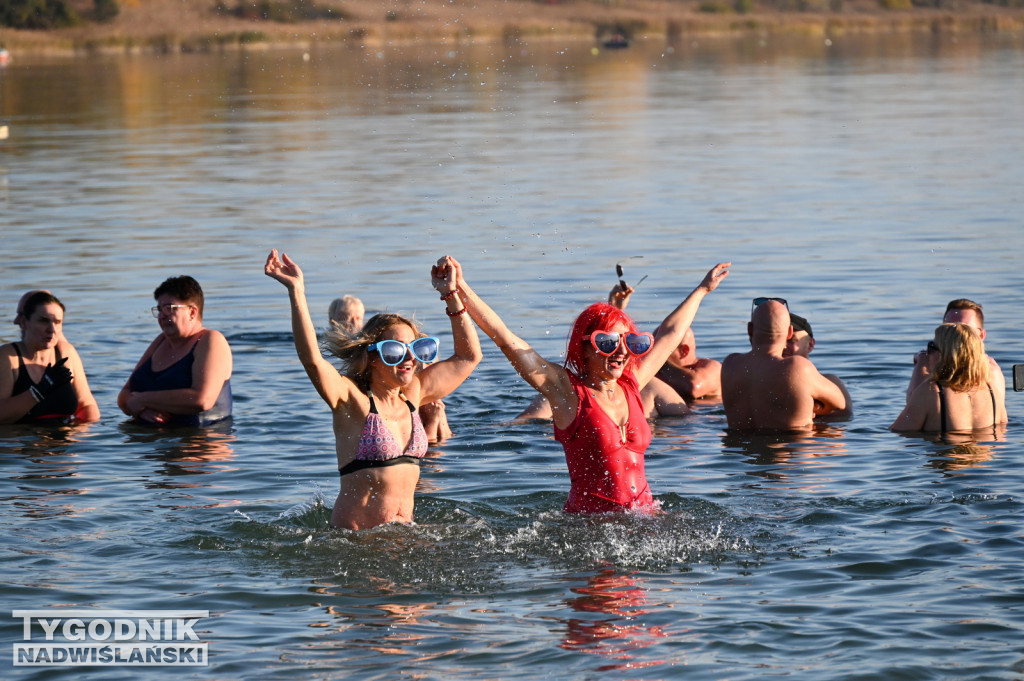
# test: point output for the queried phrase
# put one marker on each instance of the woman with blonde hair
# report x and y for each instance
(379, 435)
(958, 395)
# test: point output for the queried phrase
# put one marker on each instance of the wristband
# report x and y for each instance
(456, 313)
(449, 294)
(38, 396)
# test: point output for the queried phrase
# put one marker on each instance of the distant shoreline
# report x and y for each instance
(168, 26)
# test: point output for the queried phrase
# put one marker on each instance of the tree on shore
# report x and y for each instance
(47, 14)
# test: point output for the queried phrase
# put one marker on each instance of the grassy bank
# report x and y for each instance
(200, 25)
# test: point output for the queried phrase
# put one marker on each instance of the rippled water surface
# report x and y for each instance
(868, 182)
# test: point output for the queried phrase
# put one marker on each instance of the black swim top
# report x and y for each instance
(176, 377)
(942, 407)
(59, 405)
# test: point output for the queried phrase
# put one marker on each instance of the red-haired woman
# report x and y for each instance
(595, 397)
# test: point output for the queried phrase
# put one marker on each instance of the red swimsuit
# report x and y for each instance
(607, 474)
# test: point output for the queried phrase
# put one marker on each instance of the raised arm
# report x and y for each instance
(441, 378)
(671, 331)
(547, 378)
(619, 296)
(332, 386)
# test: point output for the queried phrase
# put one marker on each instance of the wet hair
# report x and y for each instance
(37, 300)
(962, 365)
(965, 304)
(183, 288)
(596, 317)
(351, 350)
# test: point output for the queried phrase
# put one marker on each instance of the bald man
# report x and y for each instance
(762, 390)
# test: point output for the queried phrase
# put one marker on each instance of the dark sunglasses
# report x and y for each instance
(607, 342)
(932, 347)
(622, 282)
(393, 352)
(761, 301)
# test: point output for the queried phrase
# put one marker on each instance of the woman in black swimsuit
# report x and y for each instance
(958, 395)
(41, 376)
(184, 376)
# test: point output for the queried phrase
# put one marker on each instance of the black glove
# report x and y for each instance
(56, 375)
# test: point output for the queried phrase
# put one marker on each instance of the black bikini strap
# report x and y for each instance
(373, 405)
(942, 410)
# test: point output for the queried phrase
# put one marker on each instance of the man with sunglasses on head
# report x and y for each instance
(802, 343)
(763, 390)
(960, 311)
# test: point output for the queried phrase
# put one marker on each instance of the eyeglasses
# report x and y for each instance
(761, 301)
(932, 347)
(167, 308)
(393, 352)
(607, 342)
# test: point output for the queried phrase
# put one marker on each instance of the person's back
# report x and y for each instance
(764, 391)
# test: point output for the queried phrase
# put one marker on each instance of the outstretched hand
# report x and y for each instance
(715, 276)
(283, 269)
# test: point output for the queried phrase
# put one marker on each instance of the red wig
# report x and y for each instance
(597, 317)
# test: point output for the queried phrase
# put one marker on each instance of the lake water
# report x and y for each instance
(868, 181)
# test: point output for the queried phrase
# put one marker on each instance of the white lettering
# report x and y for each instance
(185, 629)
(150, 628)
(48, 626)
(74, 630)
(94, 628)
(124, 630)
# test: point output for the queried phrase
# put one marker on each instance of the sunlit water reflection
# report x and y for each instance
(867, 182)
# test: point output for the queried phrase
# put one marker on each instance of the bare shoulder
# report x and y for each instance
(926, 392)
(213, 336)
(800, 364)
(214, 341)
(734, 358)
(708, 364)
(996, 374)
(66, 349)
